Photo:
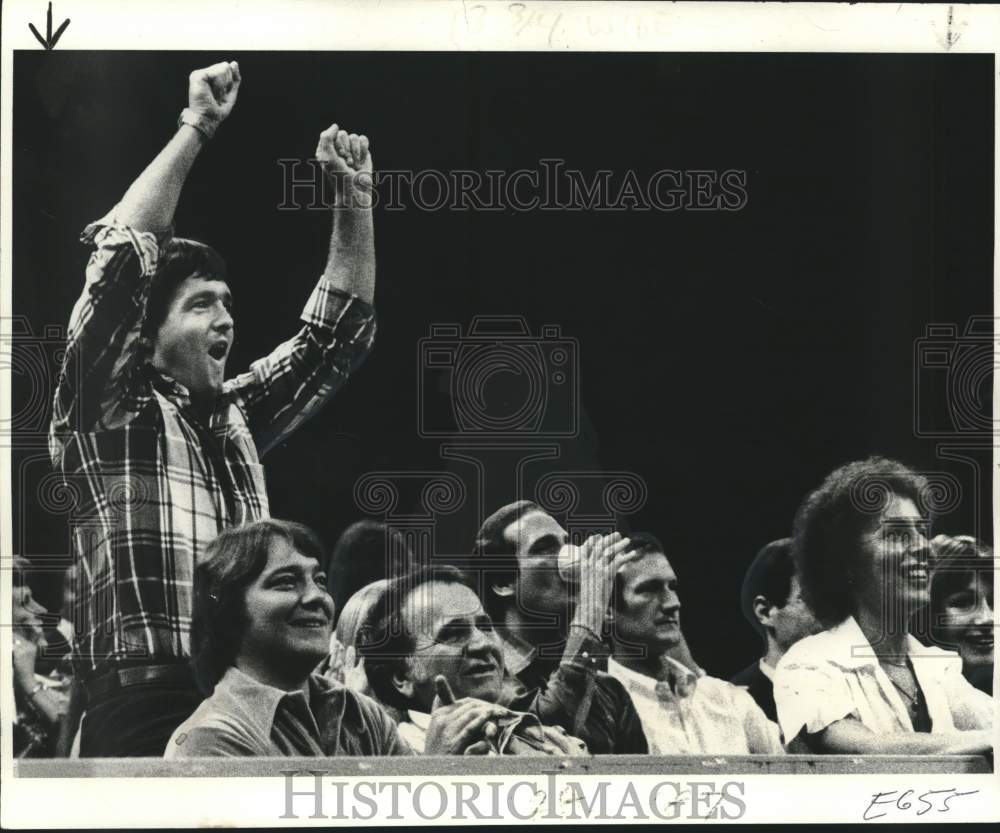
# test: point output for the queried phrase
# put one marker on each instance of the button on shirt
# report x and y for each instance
(150, 482)
(835, 674)
(245, 718)
(683, 714)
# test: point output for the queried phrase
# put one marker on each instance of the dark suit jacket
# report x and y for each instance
(759, 687)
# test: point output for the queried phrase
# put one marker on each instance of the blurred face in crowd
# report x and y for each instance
(27, 613)
(894, 560)
(452, 637)
(649, 611)
(967, 620)
(194, 340)
(794, 620)
(289, 614)
(537, 539)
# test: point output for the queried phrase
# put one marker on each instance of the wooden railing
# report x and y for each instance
(601, 765)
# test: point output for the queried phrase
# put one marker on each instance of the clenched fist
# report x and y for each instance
(212, 91)
(347, 161)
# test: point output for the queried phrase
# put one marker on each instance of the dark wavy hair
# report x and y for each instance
(179, 259)
(769, 575)
(383, 639)
(230, 564)
(830, 523)
(501, 555)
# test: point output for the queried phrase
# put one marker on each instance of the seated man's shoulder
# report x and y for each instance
(748, 676)
(610, 684)
(722, 690)
(823, 648)
(367, 707)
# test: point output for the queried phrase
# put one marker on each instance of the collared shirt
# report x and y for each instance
(413, 730)
(151, 482)
(835, 674)
(573, 692)
(684, 714)
(758, 681)
(246, 718)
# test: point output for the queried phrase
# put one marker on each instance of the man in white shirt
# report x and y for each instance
(681, 713)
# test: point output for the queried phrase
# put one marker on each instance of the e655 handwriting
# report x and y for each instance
(937, 800)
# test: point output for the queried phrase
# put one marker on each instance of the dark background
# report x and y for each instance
(730, 359)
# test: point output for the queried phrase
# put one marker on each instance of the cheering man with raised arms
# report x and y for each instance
(160, 452)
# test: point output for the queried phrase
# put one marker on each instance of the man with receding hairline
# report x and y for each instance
(550, 629)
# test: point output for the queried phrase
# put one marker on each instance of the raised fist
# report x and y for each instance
(346, 160)
(212, 91)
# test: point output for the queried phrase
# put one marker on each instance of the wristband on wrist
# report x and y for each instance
(203, 124)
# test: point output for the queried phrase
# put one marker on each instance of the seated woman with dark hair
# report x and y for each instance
(866, 685)
(962, 605)
(262, 619)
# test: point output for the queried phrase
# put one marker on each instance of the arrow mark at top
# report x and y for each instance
(50, 40)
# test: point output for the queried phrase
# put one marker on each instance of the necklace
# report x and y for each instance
(905, 690)
(902, 664)
(902, 690)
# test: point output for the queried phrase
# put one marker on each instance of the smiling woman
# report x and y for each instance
(961, 606)
(262, 623)
(866, 685)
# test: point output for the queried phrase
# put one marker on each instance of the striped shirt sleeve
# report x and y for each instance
(283, 389)
(104, 329)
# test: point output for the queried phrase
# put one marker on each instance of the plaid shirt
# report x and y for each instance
(151, 483)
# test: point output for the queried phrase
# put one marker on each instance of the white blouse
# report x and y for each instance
(835, 674)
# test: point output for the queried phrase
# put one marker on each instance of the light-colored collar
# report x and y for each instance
(419, 719)
(674, 679)
(259, 701)
(517, 654)
(846, 646)
(766, 670)
(857, 650)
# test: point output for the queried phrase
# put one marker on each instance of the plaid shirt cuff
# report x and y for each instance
(329, 307)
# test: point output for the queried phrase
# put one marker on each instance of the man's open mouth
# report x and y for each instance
(915, 572)
(219, 350)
